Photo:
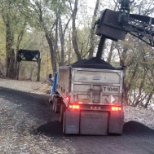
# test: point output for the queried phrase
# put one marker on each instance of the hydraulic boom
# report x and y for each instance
(115, 25)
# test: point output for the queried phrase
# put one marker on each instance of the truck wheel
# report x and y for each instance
(53, 105)
(61, 113)
(50, 100)
(57, 105)
(64, 129)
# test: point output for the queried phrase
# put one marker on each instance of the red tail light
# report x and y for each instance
(67, 98)
(116, 108)
(74, 106)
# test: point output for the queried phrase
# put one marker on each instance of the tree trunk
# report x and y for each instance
(10, 56)
(52, 54)
(55, 43)
(62, 39)
(31, 72)
(49, 38)
(20, 37)
(92, 34)
(110, 53)
(62, 42)
(74, 31)
(149, 98)
(138, 100)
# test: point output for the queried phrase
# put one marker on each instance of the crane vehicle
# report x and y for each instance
(88, 95)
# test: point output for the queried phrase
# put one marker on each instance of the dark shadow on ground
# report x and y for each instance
(54, 129)
(50, 129)
(136, 128)
(17, 94)
(36, 105)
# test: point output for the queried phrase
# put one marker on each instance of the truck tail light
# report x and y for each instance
(74, 106)
(67, 98)
(116, 108)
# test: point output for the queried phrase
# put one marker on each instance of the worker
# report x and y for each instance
(50, 78)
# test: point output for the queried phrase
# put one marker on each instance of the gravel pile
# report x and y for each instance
(140, 115)
(93, 63)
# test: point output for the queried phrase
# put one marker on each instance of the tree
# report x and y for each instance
(74, 30)
(48, 15)
(134, 55)
(12, 19)
(92, 30)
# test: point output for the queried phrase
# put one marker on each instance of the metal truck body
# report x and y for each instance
(89, 100)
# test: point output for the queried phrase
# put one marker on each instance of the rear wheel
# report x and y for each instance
(57, 104)
(61, 115)
(64, 121)
(53, 104)
(50, 101)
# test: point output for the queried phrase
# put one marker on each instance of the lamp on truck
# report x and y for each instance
(116, 108)
(74, 106)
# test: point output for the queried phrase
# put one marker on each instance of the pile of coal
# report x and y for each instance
(93, 63)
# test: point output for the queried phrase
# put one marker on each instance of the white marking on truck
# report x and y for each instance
(110, 89)
(110, 99)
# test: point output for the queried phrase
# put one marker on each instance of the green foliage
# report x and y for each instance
(138, 59)
(2, 39)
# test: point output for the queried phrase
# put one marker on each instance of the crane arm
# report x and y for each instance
(141, 27)
(115, 25)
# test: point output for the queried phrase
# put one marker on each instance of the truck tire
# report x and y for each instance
(61, 115)
(64, 128)
(57, 104)
(50, 99)
(53, 104)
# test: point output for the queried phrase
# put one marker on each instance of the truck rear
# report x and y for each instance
(89, 100)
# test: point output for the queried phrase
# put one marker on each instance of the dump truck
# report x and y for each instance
(88, 97)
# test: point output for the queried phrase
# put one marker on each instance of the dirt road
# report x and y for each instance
(28, 126)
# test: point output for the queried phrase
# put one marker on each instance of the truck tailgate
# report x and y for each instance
(93, 122)
(96, 86)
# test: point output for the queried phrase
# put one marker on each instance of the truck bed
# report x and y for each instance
(91, 86)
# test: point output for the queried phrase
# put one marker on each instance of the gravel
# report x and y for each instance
(93, 63)
(140, 115)
(17, 125)
(16, 133)
(27, 86)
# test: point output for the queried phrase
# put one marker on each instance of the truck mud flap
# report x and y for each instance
(71, 122)
(94, 123)
(116, 122)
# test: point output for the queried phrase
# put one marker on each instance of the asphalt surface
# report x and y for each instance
(136, 139)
